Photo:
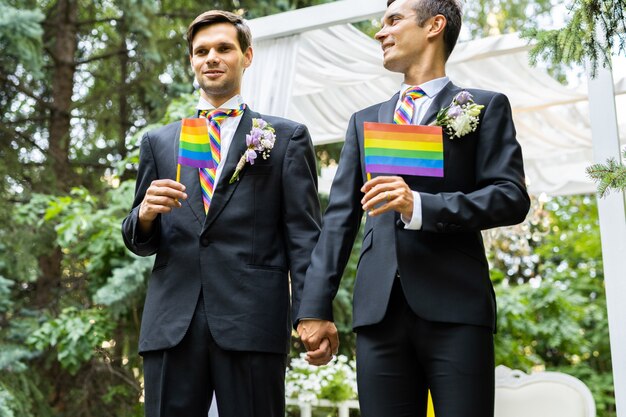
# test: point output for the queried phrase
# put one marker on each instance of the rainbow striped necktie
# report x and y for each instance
(404, 113)
(207, 175)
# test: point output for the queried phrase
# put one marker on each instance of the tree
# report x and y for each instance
(79, 81)
(595, 29)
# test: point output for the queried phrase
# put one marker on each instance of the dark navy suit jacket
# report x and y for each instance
(442, 267)
(259, 232)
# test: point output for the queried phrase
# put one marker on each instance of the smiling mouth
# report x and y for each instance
(213, 73)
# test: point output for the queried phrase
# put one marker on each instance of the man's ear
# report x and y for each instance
(247, 57)
(436, 26)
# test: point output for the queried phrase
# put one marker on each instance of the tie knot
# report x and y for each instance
(218, 115)
(414, 92)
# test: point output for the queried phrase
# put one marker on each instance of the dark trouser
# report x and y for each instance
(179, 382)
(403, 356)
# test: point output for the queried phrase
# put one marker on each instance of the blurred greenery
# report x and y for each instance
(595, 30)
(79, 83)
(548, 278)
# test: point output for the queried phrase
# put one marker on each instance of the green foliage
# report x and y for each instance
(595, 29)
(538, 323)
(73, 334)
(551, 299)
(126, 283)
(20, 38)
(61, 251)
(611, 176)
(5, 294)
(492, 17)
(6, 401)
(88, 347)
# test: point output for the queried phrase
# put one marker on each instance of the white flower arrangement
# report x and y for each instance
(461, 116)
(308, 383)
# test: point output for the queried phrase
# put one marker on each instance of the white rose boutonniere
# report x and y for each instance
(260, 140)
(461, 116)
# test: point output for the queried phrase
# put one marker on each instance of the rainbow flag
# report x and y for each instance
(403, 149)
(194, 147)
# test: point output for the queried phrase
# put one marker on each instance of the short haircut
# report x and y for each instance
(450, 9)
(244, 36)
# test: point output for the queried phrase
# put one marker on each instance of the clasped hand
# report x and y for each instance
(321, 340)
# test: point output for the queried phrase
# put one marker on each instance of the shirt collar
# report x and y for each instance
(431, 88)
(233, 103)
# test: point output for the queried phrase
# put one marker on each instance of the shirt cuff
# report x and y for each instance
(415, 223)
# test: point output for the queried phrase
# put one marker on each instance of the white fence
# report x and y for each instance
(306, 409)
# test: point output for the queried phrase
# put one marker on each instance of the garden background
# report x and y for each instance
(80, 81)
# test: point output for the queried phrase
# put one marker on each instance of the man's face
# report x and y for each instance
(218, 62)
(401, 38)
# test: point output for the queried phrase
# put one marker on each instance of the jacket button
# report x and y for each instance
(204, 241)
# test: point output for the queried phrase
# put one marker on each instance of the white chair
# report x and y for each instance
(543, 394)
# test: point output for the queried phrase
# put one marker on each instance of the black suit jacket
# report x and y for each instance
(259, 230)
(442, 267)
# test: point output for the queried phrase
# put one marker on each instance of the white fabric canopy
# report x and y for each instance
(322, 76)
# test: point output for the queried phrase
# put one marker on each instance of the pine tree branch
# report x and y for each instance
(26, 91)
(609, 177)
(14, 133)
(96, 21)
(24, 120)
(100, 57)
(595, 27)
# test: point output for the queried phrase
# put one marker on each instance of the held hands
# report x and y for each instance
(383, 194)
(161, 197)
(320, 339)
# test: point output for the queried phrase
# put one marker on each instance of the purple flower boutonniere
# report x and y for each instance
(260, 140)
(461, 116)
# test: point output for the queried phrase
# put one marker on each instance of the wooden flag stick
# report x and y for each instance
(177, 175)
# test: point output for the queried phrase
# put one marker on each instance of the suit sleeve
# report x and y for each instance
(301, 208)
(140, 244)
(341, 224)
(500, 196)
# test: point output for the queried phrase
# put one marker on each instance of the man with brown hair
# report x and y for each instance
(424, 307)
(227, 237)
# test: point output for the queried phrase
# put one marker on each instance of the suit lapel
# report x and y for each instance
(224, 190)
(443, 99)
(387, 109)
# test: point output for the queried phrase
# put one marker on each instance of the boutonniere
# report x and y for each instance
(260, 140)
(461, 116)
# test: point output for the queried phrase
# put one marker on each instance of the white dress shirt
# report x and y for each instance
(227, 129)
(431, 88)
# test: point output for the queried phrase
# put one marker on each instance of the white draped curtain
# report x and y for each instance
(322, 76)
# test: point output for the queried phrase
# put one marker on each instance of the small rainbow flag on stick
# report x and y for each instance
(403, 149)
(194, 147)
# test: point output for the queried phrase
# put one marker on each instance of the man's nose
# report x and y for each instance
(381, 34)
(212, 57)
